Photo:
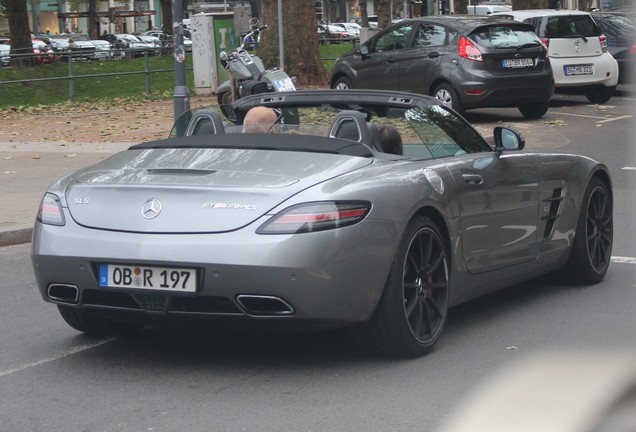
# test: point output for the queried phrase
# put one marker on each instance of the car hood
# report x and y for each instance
(194, 190)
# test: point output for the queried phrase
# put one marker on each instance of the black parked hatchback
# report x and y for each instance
(464, 61)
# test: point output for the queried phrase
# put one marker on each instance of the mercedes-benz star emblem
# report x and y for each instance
(151, 208)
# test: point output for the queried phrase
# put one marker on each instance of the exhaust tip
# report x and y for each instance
(264, 305)
(63, 293)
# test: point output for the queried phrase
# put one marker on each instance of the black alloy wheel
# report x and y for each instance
(414, 306)
(592, 246)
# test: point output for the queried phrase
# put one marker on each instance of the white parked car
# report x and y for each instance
(103, 50)
(577, 49)
(4, 54)
(351, 28)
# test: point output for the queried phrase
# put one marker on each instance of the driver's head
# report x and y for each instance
(260, 119)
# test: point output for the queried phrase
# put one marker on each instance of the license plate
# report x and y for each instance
(578, 70)
(149, 278)
(517, 63)
(285, 84)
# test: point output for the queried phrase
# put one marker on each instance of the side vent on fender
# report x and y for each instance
(553, 213)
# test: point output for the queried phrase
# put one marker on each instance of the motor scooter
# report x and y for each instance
(248, 74)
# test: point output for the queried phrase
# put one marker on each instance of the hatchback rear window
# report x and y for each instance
(571, 26)
(504, 36)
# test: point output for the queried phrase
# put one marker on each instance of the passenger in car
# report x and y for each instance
(260, 119)
(390, 139)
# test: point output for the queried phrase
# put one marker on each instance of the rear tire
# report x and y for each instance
(599, 94)
(412, 311)
(535, 110)
(225, 101)
(446, 94)
(592, 246)
(93, 324)
(342, 83)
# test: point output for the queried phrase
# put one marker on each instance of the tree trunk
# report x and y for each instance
(166, 17)
(301, 48)
(19, 31)
(364, 15)
(93, 24)
(383, 11)
(529, 4)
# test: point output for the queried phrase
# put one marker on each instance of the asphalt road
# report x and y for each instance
(55, 379)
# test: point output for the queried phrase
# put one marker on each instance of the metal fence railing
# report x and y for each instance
(30, 60)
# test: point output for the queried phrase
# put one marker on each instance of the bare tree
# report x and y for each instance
(364, 16)
(301, 49)
(383, 11)
(166, 16)
(19, 30)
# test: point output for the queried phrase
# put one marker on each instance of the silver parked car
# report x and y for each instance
(364, 208)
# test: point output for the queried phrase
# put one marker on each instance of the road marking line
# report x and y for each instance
(578, 115)
(615, 118)
(67, 353)
(626, 260)
(629, 168)
(600, 119)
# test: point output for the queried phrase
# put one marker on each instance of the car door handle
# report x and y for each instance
(390, 60)
(472, 178)
(433, 54)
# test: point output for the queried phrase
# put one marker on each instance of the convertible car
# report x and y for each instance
(314, 223)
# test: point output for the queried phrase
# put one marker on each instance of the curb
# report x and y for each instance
(16, 236)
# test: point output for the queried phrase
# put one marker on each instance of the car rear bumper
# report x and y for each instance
(332, 276)
(605, 71)
(506, 91)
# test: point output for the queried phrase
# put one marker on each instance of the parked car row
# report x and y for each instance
(49, 48)
(507, 59)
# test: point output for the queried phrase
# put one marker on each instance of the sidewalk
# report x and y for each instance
(28, 169)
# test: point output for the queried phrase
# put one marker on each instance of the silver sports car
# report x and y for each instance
(368, 209)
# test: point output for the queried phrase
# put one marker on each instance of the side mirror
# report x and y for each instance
(508, 139)
(364, 50)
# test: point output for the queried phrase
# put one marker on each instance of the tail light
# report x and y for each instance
(632, 49)
(50, 212)
(546, 42)
(603, 40)
(469, 50)
(316, 216)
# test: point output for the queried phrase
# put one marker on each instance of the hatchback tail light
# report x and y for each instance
(469, 50)
(546, 42)
(603, 40)
(632, 49)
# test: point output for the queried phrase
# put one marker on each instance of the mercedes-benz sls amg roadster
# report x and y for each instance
(365, 209)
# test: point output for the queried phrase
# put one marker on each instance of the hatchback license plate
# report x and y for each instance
(578, 70)
(517, 63)
(150, 278)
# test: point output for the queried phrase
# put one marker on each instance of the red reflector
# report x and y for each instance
(475, 91)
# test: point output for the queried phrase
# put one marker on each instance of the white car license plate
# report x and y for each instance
(150, 278)
(578, 70)
(285, 84)
(517, 63)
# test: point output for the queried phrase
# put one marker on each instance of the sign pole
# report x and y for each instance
(181, 95)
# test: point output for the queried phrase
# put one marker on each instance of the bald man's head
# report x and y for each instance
(259, 119)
